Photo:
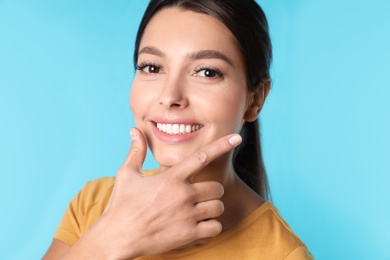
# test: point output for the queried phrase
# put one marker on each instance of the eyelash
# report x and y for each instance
(144, 65)
(215, 71)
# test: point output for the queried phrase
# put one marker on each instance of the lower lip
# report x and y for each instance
(179, 138)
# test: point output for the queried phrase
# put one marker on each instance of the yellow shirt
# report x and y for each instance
(261, 235)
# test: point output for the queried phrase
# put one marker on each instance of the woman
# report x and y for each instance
(202, 77)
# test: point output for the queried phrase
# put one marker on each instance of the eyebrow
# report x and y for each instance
(209, 54)
(151, 50)
(197, 55)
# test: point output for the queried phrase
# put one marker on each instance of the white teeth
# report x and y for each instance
(168, 129)
(174, 129)
(182, 129)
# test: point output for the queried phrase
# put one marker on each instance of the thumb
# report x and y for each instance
(137, 153)
(133, 163)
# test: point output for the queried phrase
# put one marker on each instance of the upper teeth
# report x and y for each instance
(174, 129)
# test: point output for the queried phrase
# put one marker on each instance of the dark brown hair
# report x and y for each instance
(247, 22)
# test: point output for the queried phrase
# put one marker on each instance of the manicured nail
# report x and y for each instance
(133, 134)
(235, 139)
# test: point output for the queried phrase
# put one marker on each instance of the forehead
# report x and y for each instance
(183, 29)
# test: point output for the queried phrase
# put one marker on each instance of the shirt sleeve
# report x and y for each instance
(84, 209)
(69, 229)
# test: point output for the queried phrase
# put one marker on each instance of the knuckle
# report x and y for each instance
(201, 156)
(202, 212)
(191, 195)
(180, 191)
(135, 149)
(185, 195)
(122, 171)
(188, 234)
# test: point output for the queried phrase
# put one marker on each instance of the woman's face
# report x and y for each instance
(190, 86)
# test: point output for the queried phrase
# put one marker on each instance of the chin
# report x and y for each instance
(171, 155)
(168, 159)
(165, 156)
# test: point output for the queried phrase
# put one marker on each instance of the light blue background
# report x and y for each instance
(65, 73)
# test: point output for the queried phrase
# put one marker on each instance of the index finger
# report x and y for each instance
(201, 158)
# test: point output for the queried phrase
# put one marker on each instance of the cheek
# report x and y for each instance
(133, 100)
(136, 106)
(229, 110)
(138, 99)
(233, 103)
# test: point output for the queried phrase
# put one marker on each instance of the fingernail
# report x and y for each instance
(235, 139)
(133, 134)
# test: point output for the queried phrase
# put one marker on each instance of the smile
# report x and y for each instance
(178, 129)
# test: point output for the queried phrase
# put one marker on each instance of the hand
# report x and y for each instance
(153, 214)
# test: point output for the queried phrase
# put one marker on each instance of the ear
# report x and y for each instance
(256, 100)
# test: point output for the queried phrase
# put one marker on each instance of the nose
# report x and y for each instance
(173, 94)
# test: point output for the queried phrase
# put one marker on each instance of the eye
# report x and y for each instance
(148, 68)
(208, 72)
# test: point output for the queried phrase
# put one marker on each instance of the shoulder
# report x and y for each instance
(299, 253)
(99, 184)
(272, 235)
(97, 190)
(283, 236)
(84, 209)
